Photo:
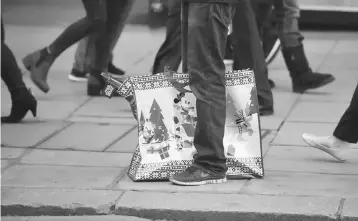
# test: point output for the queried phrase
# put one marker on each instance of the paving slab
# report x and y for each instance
(60, 176)
(266, 141)
(75, 218)
(28, 134)
(56, 202)
(11, 152)
(345, 46)
(322, 46)
(185, 206)
(77, 158)
(283, 103)
(311, 160)
(341, 61)
(317, 112)
(104, 120)
(350, 211)
(127, 144)
(288, 183)
(290, 133)
(126, 184)
(63, 109)
(104, 107)
(86, 136)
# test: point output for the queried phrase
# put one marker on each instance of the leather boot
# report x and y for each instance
(95, 84)
(22, 102)
(39, 64)
(303, 78)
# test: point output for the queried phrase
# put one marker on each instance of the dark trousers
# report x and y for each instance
(169, 53)
(347, 128)
(102, 18)
(246, 39)
(248, 52)
(85, 54)
(10, 72)
(207, 35)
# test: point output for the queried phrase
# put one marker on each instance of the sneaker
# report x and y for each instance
(271, 48)
(77, 76)
(195, 176)
(114, 71)
(324, 144)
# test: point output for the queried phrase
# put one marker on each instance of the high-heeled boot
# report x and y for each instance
(39, 64)
(22, 102)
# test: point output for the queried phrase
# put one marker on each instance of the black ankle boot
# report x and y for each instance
(95, 84)
(303, 78)
(114, 70)
(22, 102)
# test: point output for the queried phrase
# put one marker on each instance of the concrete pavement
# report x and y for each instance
(72, 159)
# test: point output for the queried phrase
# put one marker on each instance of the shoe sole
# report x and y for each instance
(324, 83)
(198, 183)
(76, 79)
(274, 51)
(323, 148)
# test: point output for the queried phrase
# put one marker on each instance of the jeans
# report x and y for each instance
(84, 56)
(289, 32)
(207, 35)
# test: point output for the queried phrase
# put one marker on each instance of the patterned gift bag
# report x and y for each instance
(167, 118)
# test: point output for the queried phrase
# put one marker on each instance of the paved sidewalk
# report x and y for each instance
(72, 159)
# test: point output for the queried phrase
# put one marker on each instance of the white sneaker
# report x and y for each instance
(325, 144)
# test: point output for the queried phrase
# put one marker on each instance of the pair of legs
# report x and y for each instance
(245, 38)
(102, 18)
(22, 99)
(303, 78)
(85, 53)
(207, 35)
(345, 133)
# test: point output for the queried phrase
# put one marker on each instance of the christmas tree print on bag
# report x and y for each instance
(166, 115)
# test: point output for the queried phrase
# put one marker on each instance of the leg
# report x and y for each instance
(125, 9)
(207, 34)
(345, 133)
(114, 16)
(22, 99)
(303, 78)
(249, 54)
(347, 128)
(169, 53)
(83, 59)
(40, 61)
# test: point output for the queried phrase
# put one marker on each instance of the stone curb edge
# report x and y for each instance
(154, 214)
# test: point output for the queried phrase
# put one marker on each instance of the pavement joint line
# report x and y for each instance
(117, 179)
(79, 107)
(51, 135)
(340, 209)
(119, 138)
(326, 55)
(141, 58)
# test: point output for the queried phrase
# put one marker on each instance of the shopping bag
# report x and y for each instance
(167, 118)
